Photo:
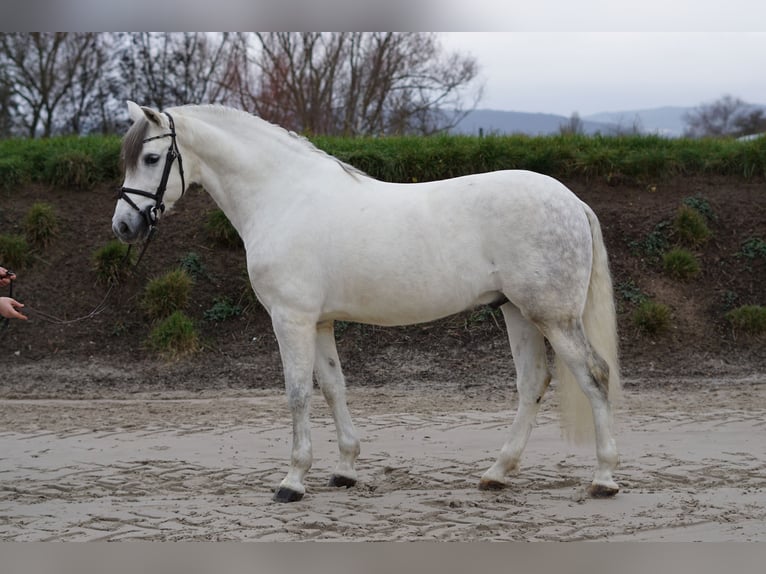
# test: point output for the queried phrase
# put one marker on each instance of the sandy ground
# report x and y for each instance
(168, 467)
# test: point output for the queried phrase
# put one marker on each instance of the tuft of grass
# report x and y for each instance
(222, 309)
(680, 264)
(651, 317)
(221, 231)
(112, 262)
(748, 319)
(174, 337)
(12, 173)
(72, 168)
(40, 224)
(690, 226)
(167, 294)
(15, 252)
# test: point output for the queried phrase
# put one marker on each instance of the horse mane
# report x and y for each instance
(133, 142)
(278, 130)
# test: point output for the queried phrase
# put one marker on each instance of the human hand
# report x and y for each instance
(8, 308)
(6, 276)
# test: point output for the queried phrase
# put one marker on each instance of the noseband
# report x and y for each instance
(152, 215)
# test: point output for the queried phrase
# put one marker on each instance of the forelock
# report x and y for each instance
(133, 142)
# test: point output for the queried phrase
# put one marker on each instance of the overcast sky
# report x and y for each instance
(552, 56)
(587, 72)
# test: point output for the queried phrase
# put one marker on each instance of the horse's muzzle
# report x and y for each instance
(131, 229)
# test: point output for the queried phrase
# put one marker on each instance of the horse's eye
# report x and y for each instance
(151, 158)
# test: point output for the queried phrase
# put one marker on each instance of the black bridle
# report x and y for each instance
(152, 215)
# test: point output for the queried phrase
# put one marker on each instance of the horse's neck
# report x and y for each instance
(243, 161)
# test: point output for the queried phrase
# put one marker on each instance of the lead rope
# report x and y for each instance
(100, 308)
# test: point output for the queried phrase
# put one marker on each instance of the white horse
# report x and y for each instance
(326, 242)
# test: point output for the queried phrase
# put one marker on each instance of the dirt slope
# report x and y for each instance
(469, 348)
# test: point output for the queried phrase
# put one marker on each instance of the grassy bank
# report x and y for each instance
(84, 162)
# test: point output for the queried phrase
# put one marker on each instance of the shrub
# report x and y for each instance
(222, 309)
(167, 294)
(192, 264)
(701, 205)
(655, 243)
(629, 291)
(221, 231)
(651, 317)
(15, 252)
(40, 224)
(753, 248)
(680, 263)
(690, 226)
(174, 337)
(748, 319)
(112, 262)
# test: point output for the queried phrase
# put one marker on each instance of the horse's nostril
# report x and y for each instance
(123, 228)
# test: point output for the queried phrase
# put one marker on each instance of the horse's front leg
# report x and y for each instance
(296, 335)
(333, 385)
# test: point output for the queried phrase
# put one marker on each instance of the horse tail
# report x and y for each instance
(600, 322)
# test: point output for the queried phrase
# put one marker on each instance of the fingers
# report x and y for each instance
(16, 305)
(9, 308)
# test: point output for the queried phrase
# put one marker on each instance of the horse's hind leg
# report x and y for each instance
(532, 378)
(570, 343)
(331, 381)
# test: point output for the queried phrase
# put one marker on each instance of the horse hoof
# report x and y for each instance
(599, 490)
(339, 481)
(491, 485)
(287, 495)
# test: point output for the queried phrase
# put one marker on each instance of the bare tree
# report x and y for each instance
(715, 119)
(358, 82)
(752, 122)
(169, 68)
(8, 108)
(573, 126)
(42, 70)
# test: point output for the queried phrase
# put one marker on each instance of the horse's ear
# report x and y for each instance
(134, 111)
(152, 115)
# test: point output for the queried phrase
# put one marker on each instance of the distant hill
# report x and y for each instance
(666, 121)
(503, 122)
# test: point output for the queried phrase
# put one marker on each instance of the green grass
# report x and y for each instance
(112, 262)
(15, 252)
(174, 336)
(80, 162)
(40, 225)
(681, 264)
(220, 230)
(167, 294)
(690, 227)
(748, 319)
(652, 318)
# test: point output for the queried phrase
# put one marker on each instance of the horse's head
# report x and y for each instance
(152, 183)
